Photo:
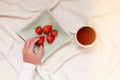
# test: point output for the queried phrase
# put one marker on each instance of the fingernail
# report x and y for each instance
(42, 45)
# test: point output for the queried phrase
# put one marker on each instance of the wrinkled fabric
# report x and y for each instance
(70, 62)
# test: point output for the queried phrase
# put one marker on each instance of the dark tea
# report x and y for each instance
(86, 35)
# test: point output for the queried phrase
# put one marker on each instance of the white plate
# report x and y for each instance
(44, 19)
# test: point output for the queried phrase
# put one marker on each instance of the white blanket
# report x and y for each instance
(70, 62)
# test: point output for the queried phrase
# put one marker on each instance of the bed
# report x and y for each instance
(70, 62)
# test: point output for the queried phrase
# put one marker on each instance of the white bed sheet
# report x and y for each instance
(70, 62)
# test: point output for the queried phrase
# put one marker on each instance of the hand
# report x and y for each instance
(28, 53)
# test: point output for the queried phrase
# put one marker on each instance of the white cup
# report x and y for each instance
(86, 36)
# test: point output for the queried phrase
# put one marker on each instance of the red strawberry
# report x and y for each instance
(54, 32)
(47, 29)
(41, 40)
(50, 39)
(38, 30)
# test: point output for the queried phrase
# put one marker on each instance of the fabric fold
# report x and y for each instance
(70, 62)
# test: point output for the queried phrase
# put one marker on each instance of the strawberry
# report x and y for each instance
(41, 40)
(50, 38)
(38, 30)
(47, 29)
(54, 32)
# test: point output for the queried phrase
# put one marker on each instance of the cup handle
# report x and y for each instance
(73, 32)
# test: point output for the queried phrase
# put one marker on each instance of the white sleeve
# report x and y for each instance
(28, 71)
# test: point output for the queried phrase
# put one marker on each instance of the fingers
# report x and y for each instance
(40, 51)
(32, 43)
(29, 44)
(28, 41)
(26, 46)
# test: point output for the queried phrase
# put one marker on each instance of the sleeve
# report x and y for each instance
(28, 71)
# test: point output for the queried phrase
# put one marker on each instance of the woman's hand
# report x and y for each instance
(28, 53)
